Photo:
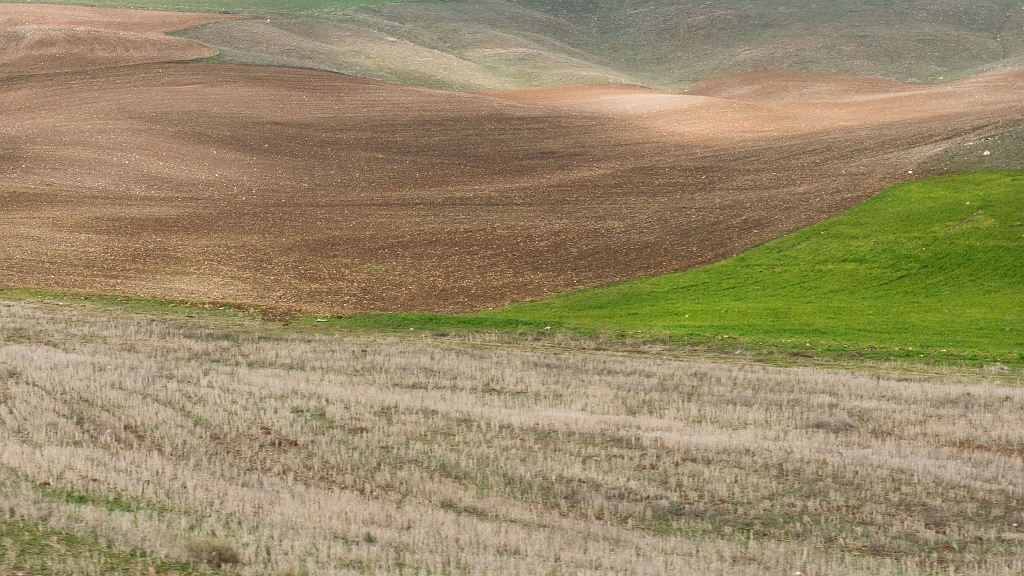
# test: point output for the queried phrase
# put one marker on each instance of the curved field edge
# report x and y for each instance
(930, 269)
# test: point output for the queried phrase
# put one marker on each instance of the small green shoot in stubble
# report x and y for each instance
(316, 418)
(66, 495)
(28, 546)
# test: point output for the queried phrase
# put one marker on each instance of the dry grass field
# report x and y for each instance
(270, 451)
(327, 193)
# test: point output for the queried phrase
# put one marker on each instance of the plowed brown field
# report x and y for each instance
(124, 173)
(41, 38)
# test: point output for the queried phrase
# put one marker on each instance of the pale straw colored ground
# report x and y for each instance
(343, 455)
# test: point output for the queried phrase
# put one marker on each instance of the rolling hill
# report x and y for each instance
(666, 44)
(931, 268)
(160, 203)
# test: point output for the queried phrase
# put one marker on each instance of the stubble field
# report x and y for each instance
(175, 444)
(131, 442)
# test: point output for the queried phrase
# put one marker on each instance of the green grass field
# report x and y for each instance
(932, 269)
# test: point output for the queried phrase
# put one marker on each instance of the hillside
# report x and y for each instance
(187, 387)
(667, 44)
(934, 265)
(927, 269)
(1002, 150)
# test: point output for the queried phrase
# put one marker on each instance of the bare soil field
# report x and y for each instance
(40, 38)
(279, 452)
(327, 193)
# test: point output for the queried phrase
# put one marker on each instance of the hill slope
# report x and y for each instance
(668, 44)
(935, 264)
(662, 43)
(932, 267)
(332, 194)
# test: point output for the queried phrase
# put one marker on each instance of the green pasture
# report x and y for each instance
(928, 269)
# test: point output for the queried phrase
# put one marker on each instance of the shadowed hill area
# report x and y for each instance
(661, 43)
(667, 44)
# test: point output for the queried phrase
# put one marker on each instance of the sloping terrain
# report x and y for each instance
(928, 268)
(323, 192)
(669, 44)
(37, 39)
(1003, 150)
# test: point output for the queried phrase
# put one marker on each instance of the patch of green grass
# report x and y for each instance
(72, 496)
(932, 269)
(317, 418)
(30, 547)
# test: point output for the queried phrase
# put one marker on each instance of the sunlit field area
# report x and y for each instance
(134, 443)
(511, 287)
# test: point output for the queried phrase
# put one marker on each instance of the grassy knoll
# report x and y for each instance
(932, 268)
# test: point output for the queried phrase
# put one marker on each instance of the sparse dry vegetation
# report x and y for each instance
(213, 553)
(338, 455)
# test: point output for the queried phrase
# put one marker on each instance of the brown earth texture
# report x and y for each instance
(128, 169)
